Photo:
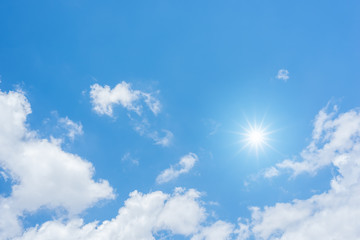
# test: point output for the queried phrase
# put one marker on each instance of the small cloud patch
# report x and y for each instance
(283, 74)
(186, 163)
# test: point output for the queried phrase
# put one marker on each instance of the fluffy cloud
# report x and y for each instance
(186, 163)
(218, 231)
(43, 175)
(332, 214)
(332, 136)
(283, 74)
(141, 217)
(104, 99)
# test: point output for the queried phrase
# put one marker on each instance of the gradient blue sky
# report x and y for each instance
(213, 67)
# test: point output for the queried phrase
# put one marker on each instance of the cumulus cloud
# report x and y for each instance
(141, 217)
(332, 135)
(330, 215)
(186, 163)
(43, 175)
(219, 230)
(283, 74)
(104, 98)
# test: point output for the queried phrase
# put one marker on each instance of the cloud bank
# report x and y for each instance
(43, 175)
(141, 217)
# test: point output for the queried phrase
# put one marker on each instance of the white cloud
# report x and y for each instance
(144, 129)
(186, 163)
(271, 172)
(4, 175)
(164, 140)
(128, 158)
(104, 99)
(243, 231)
(152, 102)
(332, 214)
(45, 176)
(42, 173)
(142, 216)
(332, 136)
(72, 127)
(220, 230)
(283, 74)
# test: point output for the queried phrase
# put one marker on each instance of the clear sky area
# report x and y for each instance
(168, 119)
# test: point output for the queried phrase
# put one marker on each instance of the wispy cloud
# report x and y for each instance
(186, 163)
(129, 158)
(283, 74)
(164, 140)
(73, 129)
(212, 125)
(143, 127)
(271, 172)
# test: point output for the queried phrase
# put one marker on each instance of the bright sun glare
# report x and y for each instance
(255, 137)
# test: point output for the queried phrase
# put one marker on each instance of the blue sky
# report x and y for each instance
(133, 114)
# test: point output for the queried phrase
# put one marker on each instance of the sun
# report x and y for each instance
(256, 137)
